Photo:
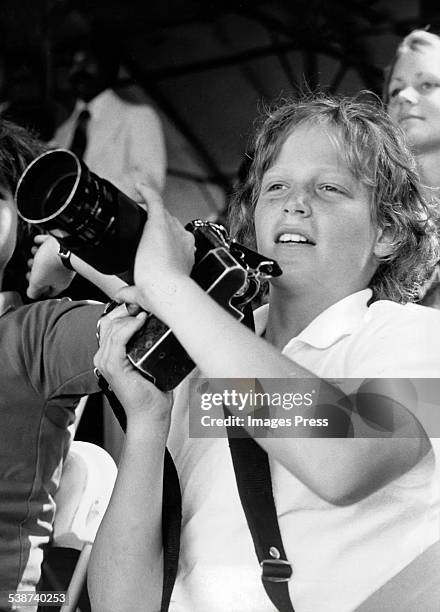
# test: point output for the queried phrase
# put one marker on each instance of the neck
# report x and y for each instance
(428, 163)
(290, 314)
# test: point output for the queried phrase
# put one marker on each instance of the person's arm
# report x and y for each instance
(340, 471)
(145, 153)
(126, 566)
(48, 276)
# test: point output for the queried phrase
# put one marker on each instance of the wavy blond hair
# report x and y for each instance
(376, 153)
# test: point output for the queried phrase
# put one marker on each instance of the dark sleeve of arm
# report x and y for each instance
(59, 340)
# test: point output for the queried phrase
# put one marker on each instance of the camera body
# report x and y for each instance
(102, 226)
(223, 270)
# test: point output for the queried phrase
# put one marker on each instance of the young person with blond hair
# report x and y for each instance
(332, 195)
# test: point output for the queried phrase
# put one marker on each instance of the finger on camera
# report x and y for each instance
(120, 326)
(40, 238)
(133, 309)
(37, 293)
(118, 312)
(112, 352)
(129, 295)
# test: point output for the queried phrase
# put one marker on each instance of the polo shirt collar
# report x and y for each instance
(337, 321)
(9, 300)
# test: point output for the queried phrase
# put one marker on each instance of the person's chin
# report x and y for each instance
(422, 143)
(294, 275)
(414, 132)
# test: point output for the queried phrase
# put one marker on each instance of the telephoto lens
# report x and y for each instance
(102, 226)
(87, 214)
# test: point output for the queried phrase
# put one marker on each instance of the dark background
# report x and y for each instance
(207, 65)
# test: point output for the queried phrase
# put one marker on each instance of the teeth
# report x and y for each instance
(292, 238)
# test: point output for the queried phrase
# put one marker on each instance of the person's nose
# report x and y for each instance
(79, 61)
(297, 203)
(408, 95)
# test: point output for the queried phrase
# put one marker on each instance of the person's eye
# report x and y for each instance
(330, 189)
(273, 187)
(394, 92)
(428, 85)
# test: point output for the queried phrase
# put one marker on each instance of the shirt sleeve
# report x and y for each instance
(46, 364)
(400, 350)
(58, 343)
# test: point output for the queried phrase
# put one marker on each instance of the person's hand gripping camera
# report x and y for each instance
(164, 259)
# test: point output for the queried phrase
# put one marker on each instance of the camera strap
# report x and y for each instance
(252, 474)
(254, 483)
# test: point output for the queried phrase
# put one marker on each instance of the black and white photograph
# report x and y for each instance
(219, 306)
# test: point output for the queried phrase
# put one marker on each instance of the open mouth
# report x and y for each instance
(293, 238)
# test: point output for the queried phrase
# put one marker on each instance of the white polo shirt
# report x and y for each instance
(340, 554)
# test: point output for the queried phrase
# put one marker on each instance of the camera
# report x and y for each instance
(91, 217)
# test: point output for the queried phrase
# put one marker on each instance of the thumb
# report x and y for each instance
(129, 295)
(36, 293)
(39, 239)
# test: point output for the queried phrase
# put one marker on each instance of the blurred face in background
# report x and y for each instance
(8, 226)
(90, 74)
(414, 96)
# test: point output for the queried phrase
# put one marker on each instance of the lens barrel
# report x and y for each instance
(88, 215)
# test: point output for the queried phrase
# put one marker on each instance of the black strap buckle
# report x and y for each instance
(275, 570)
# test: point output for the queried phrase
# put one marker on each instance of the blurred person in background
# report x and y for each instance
(46, 367)
(121, 141)
(119, 136)
(412, 94)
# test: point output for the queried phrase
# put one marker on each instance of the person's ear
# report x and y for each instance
(385, 243)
